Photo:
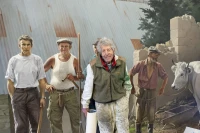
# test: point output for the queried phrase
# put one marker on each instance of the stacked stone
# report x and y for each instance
(185, 36)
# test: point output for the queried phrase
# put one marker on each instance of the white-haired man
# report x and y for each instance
(108, 83)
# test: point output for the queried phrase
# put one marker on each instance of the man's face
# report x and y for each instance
(64, 47)
(25, 47)
(107, 53)
(94, 49)
(154, 56)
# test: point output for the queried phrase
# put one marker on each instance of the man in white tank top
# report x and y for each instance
(24, 73)
(64, 67)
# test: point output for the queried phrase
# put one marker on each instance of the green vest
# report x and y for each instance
(108, 86)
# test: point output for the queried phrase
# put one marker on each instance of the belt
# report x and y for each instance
(26, 89)
(65, 90)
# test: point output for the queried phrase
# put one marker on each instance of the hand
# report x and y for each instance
(70, 77)
(85, 110)
(49, 88)
(11, 96)
(42, 102)
(80, 75)
(161, 91)
(133, 90)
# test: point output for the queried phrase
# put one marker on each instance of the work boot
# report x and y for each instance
(138, 128)
(150, 128)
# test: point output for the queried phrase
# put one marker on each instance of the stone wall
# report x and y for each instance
(185, 37)
(6, 119)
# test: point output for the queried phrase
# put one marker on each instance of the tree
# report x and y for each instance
(156, 21)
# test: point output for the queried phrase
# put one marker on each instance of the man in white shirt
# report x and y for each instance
(24, 73)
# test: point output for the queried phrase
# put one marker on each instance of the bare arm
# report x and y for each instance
(50, 62)
(79, 74)
(10, 87)
(42, 84)
(131, 79)
(164, 83)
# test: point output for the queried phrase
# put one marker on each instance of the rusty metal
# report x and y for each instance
(2, 26)
(65, 29)
(137, 44)
(46, 21)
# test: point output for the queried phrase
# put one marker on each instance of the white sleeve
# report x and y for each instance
(88, 88)
(10, 70)
(41, 73)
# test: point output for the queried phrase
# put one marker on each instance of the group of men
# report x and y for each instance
(107, 84)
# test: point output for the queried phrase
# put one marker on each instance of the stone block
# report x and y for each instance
(143, 54)
(188, 17)
(161, 47)
(181, 42)
(175, 23)
(139, 55)
(3, 96)
(185, 25)
(171, 49)
(169, 43)
(2, 126)
(4, 107)
(187, 53)
(2, 102)
(198, 23)
(183, 22)
(4, 119)
(195, 41)
(179, 33)
(193, 33)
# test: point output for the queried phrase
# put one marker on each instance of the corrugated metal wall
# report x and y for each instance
(47, 20)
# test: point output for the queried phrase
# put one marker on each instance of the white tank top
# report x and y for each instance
(60, 71)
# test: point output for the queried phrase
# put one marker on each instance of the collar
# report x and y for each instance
(99, 64)
(105, 65)
(146, 62)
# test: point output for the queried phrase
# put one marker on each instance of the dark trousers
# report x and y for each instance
(26, 106)
(92, 106)
(141, 103)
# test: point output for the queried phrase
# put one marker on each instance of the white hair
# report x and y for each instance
(105, 42)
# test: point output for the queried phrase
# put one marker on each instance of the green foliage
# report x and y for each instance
(156, 21)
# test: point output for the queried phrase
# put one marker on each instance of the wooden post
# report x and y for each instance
(40, 120)
(79, 66)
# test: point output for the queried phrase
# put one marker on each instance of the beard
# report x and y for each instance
(154, 60)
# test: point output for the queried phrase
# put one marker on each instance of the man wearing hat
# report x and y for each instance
(94, 46)
(148, 72)
(64, 67)
(92, 102)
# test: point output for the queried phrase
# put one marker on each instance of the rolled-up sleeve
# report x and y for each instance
(136, 68)
(88, 87)
(10, 70)
(161, 72)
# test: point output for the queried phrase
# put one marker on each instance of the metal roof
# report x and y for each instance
(47, 20)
